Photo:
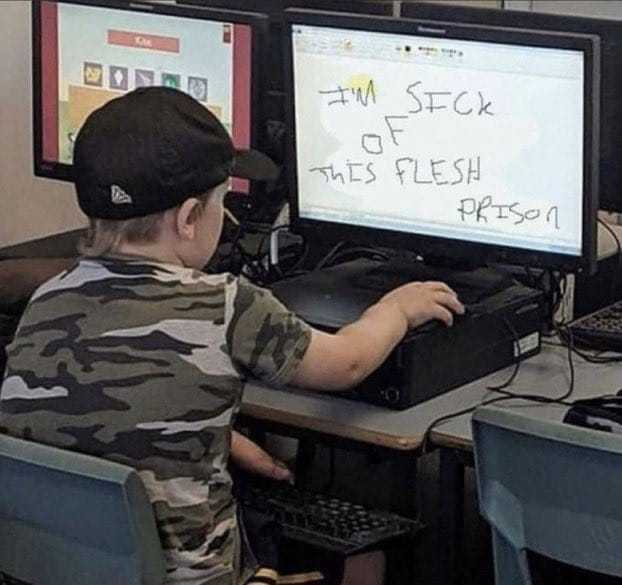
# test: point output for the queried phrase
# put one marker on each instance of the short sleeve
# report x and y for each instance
(264, 338)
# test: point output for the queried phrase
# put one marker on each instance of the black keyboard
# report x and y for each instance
(600, 330)
(323, 521)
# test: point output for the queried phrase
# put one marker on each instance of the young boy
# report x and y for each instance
(137, 356)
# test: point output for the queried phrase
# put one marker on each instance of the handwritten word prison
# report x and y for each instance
(486, 208)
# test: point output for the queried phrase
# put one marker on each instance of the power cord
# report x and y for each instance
(614, 280)
(255, 264)
(507, 395)
(537, 398)
(328, 257)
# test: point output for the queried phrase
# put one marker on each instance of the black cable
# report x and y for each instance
(532, 279)
(506, 395)
(268, 235)
(297, 266)
(614, 280)
(514, 373)
(558, 400)
(281, 271)
(558, 290)
(327, 258)
(242, 217)
(426, 435)
(554, 290)
(536, 397)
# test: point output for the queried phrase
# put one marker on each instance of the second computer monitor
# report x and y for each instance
(466, 142)
(87, 52)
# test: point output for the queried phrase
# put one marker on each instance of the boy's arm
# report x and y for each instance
(252, 458)
(341, 360)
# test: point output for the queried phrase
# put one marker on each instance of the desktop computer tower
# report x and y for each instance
(430, 362)
(499, 330)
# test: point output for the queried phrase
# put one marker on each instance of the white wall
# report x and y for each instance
(29, 207)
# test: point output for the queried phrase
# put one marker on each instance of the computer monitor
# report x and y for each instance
(86, 53)
(462, 142)
(610, 33)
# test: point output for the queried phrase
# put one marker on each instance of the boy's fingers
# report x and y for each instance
(443, 314)
(451, 302)
(280, 471)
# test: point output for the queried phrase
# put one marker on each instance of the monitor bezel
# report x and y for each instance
(257, 22)
(276, 8)
(436, 246)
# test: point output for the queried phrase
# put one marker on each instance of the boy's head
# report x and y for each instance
(150, 164)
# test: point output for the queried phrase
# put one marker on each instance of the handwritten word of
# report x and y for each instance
(464, 103)
(438, 171)
(357, 95)
(481, 210)
(373, 144)
(356, 172)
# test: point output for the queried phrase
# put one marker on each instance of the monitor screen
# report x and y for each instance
(610, 33)
(86, 54)
(448, 139)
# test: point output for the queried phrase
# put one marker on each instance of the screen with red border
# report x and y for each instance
(92, 54)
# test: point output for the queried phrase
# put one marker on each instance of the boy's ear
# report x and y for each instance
(186, 218)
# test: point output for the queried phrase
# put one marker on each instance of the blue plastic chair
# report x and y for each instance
(551, 488)
(71, 519)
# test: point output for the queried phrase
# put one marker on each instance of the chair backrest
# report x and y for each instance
(68, 519)
(551, 488)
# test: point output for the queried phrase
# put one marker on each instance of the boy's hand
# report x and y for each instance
(252, 458)
(280, 471)
(341, 360)
(420, 302)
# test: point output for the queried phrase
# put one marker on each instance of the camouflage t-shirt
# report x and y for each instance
(144, 363)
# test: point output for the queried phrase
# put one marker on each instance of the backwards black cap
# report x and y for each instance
(151, 149)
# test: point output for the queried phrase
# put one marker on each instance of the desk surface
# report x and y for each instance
(546, 374)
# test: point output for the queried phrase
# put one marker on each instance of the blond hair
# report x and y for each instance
(103, 236)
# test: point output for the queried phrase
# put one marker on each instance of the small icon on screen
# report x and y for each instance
(118, 77)
(143, 78)
(197, 88)
(171, 80)
(226, 33)
(93, 74)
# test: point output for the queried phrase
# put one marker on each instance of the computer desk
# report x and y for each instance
(327, 417)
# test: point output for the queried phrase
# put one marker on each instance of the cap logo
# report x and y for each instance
(118, 196)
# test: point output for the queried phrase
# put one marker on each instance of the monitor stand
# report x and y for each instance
(335, 296)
